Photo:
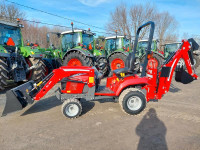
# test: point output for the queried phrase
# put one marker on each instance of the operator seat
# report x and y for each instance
(98, 77)
(129, 65)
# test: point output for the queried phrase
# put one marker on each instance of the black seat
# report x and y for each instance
(98, 77)
(129, 65)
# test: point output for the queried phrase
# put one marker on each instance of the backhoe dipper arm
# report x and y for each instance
(59, 74)
(169, 67)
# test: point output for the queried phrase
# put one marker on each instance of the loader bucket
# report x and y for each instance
(18, 98)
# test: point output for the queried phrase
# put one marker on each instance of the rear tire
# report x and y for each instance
(132, 101)
(159, 59)
(117, 61)
(71, 108)
(104, 70)
(48, 67)
(84, 60)
(38, 73)
(3, 73)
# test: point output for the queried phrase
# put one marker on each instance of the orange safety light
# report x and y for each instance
(128, 49)
(149, 56)
(18, 20)
(72, 23)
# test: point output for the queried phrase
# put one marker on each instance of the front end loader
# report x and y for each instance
(82, 83)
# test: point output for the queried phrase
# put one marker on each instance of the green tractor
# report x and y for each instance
(117, 49)
(78, 47)
(52, 55)
(18, 62)
(170, 48)
(157, 55)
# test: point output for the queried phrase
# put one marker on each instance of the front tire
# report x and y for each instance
(132, 101)
(71, 108)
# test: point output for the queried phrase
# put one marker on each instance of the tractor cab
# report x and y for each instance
(170, 48)
(142, 47)
(117, 43)
(81, 39)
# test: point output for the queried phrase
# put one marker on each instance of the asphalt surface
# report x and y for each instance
(171, 123)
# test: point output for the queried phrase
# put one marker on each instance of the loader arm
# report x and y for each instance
(58, 75)
(166, 74)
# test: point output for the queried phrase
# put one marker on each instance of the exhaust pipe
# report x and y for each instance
(18, 98)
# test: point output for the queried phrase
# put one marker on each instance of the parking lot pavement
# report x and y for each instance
(171, 123)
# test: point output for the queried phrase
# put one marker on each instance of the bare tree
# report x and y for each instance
(139, 15)
(10, 12)
(166, 26)
(128, 20)
(119, 21)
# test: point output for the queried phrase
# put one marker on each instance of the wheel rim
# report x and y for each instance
(134, 103)
(72, 110)
(152, 63)
(74, 62)
(29, 74)
(117, 63)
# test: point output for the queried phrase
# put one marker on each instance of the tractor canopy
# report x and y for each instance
(80, 39)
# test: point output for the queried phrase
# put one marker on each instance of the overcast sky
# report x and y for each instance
(97, 12)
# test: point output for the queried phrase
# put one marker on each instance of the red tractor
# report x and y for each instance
(83, 83)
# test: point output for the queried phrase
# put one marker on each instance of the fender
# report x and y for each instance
(128, 81)
(85, 52)
(125, 53)
(158, 54)
(37, 56)
(100, 56)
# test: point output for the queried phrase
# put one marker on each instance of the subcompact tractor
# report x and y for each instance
(83, 83)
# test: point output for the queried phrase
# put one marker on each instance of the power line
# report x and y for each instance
(54, 15)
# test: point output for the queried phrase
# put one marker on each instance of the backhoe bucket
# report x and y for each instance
(18, 98)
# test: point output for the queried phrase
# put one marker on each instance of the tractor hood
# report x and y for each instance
(29, 51)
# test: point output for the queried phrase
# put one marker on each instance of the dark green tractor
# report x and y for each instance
(78, 48)
(170, 48)
(18, 62)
